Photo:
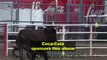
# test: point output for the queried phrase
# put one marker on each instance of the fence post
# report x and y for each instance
(5, 39)
(91, 40)
(63, 37)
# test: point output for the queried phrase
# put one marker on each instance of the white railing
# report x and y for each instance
(63, 32)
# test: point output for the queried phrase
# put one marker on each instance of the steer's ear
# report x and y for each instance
(51, 29)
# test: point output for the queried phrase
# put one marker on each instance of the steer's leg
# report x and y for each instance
(21, 54)
(45, 55)
(33, 56)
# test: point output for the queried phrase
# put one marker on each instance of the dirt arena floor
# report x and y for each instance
(78, 58)
(69, 55)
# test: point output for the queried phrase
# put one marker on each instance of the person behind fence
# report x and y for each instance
(37, 14)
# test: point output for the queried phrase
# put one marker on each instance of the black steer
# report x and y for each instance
(26, 37)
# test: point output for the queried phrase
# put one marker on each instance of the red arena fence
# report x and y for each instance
(3, 38)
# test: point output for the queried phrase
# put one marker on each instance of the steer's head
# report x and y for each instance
(50, 32)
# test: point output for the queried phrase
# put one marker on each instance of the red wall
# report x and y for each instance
(73, 15)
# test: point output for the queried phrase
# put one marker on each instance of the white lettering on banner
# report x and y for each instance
(59, 9)
(96, 12)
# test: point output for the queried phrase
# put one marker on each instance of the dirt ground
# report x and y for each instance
(76, 58)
